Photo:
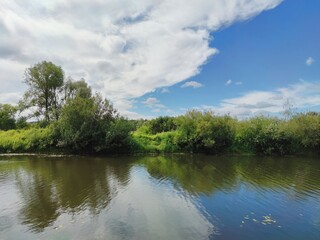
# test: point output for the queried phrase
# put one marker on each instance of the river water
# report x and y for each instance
(159, 197)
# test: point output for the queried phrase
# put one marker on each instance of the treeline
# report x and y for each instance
(61, 115)
(204, 132)
(65, 116)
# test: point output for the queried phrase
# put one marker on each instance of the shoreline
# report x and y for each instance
(310, 154)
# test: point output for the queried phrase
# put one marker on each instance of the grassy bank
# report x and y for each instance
(194, 132)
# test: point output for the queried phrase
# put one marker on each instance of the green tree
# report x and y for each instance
(161, 124)
(83, 123)
(45, 81)
(72, 89)
(265, 135)
(7, 119)
(204, 132)
(118, 137)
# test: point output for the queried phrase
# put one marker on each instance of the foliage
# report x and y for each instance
(7, 118)
(72, 118)
(265, 136)
(79, 88)
(21, 123)
(26, 140)
(160, 142)
(45, 81)
(117, 138)
(161, 124)
(306, 130)
(83, 122)
(204, 132)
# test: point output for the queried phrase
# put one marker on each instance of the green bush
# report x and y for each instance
(26, 140)
(7, 120)
(117, 138)
(263, 135)
(205, 132)
(83, 123)
(160, 142)
(161, 124)
(305, 129)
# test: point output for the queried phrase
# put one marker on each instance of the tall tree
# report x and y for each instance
(7, 120)
(84, 121)
(73, 89)
(45, 81)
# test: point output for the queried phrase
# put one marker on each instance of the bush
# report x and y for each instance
(306, 131)
(204, 132)
(83, 123)
(27, 140)
(267, 136)
(161, 124)
(7, 120)
(117, 138)
(160, 142)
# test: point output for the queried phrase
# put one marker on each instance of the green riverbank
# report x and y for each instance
(194, 132)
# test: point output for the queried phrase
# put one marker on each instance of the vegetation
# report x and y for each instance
(34, 139)
(7, 120)
(69, 117)
(45, 81)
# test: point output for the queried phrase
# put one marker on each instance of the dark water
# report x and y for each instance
(175, 197)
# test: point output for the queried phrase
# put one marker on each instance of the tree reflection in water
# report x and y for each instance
(50, 187)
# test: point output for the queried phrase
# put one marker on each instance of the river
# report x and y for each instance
(159, 197)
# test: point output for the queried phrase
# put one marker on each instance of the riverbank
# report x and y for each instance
(194, 132)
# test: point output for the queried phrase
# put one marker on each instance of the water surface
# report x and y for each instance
(161, 197)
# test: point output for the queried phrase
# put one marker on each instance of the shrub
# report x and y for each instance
(306, 131)
(117, 138)
(160, 142)
(204, 132)
(83, 123)
(26, 140)
(161, 124)
(267, 136)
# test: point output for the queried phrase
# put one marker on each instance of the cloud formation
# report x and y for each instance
(124, 49)
(309, 61)
(302, 95)
(192, 84)
(152, 102)
(229, 82)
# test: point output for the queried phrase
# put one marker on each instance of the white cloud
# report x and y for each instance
(302, 95)
(309, 61)
(124, 49)
(157, 110)
(10, 98)
(238, 83)
(193, 84)
(164, 90)
(153, 103)
(229, 82)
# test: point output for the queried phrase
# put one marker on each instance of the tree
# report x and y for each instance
(83, 123)
(72, 89)
(7, 118)
(45, 81)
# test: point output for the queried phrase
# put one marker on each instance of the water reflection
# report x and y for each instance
(158, 197)
(201, 174)
(195, 174)
(49, 187)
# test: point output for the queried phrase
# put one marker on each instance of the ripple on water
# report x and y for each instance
(5, 223)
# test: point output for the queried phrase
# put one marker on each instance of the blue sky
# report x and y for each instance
(151, 58)
(264, 53)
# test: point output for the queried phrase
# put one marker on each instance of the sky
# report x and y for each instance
(165, 57)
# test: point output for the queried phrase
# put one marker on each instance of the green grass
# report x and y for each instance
(160, 142)
(26, 140)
